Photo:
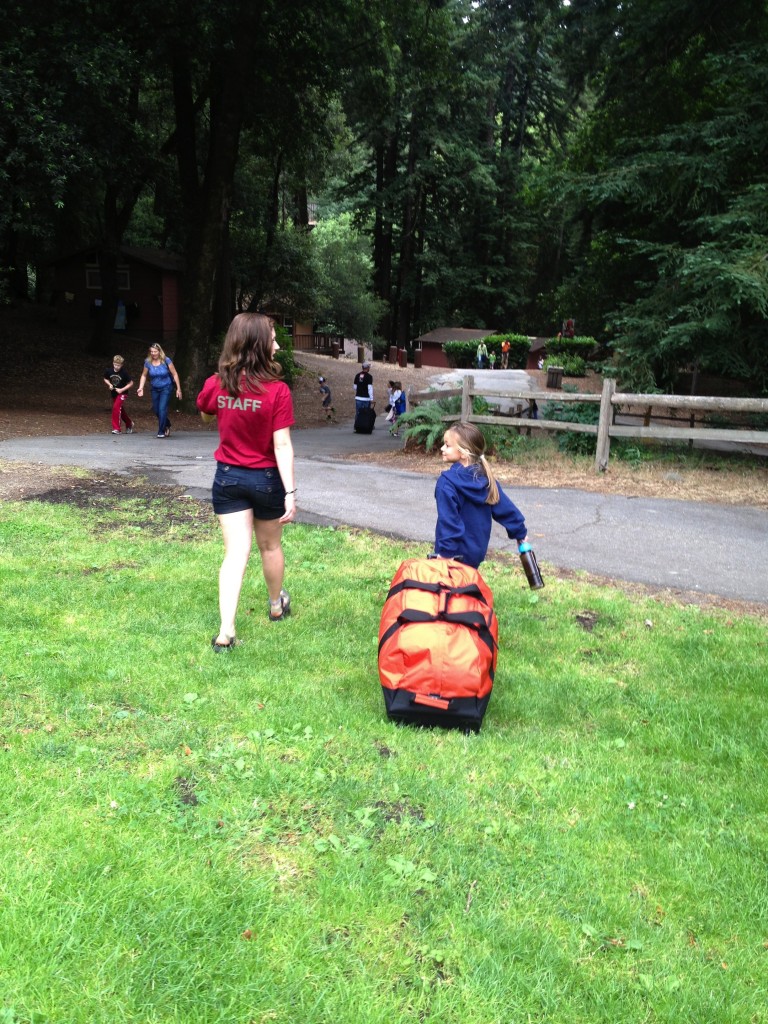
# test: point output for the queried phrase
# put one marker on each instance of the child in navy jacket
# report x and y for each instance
(469, 499)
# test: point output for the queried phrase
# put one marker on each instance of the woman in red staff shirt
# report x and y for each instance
(254, 491)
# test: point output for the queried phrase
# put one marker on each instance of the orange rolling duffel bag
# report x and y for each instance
(438, 642)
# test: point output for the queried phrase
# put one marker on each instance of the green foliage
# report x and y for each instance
(424, 424)
(284, 355)
(520, 347)
(286, 276)
(570, 441)
(463, 354)
(345, 301)
(573, 366)
(477, 163)
(673, 183)
(503, 443)
(580, 347)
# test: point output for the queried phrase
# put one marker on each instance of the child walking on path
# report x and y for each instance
(469, 498)
(118, 380)
(325, 391)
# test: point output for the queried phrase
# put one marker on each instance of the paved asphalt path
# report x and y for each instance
(710, 549)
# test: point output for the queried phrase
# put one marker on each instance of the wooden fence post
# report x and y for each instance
(468, 385)
(604, 424)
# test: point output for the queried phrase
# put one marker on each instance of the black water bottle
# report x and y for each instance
(531, 566)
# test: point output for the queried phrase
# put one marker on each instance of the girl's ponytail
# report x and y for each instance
(471, 444)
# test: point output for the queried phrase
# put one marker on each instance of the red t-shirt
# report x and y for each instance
(247, 422)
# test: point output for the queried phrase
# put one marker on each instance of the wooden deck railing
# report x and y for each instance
(322, 343)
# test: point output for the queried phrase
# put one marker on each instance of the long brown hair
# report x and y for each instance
(248, 350)
(471, 444)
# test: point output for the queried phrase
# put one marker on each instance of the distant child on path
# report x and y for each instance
(469, 499)
(118, 380)
(325, 391)
(492, 360)
(397, 401)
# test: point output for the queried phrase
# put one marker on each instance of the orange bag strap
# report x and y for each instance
(468, 590)
(430, 701)
(472, 620)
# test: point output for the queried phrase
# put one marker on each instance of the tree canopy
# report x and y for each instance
(478, 163)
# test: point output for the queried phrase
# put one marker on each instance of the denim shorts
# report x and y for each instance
(236, 488)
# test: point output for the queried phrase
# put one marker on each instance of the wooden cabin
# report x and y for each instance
(149, 291)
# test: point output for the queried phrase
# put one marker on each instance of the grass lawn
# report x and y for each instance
(245, 839)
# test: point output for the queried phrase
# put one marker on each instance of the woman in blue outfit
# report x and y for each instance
(469, 498)
(163, 378)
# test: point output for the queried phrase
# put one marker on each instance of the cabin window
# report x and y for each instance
(93, 277)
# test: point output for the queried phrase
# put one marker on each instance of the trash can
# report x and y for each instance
(402, 358)
(417, 359)
(392, 357)
(335, 349)
(555, 377)
(361, 353)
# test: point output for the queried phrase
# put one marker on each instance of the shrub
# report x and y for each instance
(520, 346)
(574, 412)
(463, 354)
(564, 347)
(573, 366)
(284, 355)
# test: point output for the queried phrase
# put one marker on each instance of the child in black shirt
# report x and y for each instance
(118, 380)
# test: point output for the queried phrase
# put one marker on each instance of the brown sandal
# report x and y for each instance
(285, 607)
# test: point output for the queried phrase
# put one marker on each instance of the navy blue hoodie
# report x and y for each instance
(464, 520)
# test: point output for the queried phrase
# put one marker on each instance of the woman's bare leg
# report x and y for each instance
(269, 533)
(237, 531)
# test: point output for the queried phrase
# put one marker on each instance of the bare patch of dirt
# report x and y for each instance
(157, 510)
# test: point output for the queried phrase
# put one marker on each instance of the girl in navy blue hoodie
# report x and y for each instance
(469, 499)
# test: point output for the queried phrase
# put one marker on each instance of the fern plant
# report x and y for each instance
(425, 425)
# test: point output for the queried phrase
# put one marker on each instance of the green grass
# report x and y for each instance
(245, 838)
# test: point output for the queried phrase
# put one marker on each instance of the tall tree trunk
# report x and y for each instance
(225, 292)
(406, 270)
(116, 218)
(13, 269)
(273, 219)
(386, 170)
(301, 204)
(104, 321)
(210, 217)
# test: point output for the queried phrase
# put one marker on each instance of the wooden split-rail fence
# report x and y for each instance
(610, 401)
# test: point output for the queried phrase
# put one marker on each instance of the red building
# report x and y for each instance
(149, 286)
